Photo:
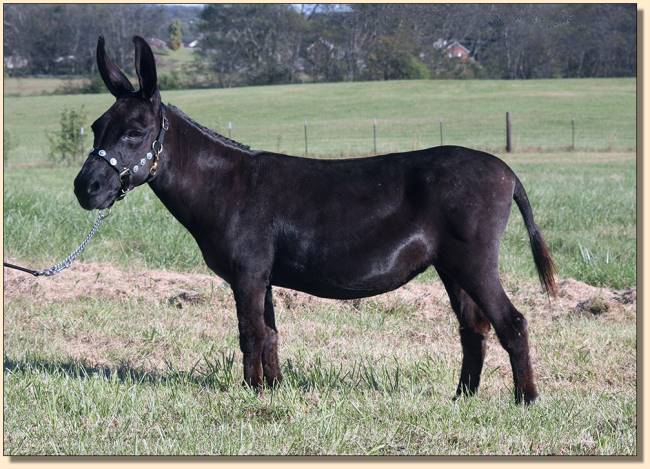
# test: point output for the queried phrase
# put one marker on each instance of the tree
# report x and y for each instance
(251, 43)
(61, 38)
(175, 35)
(284, 43)
(392, 58)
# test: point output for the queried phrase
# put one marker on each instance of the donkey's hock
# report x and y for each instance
(347, 228)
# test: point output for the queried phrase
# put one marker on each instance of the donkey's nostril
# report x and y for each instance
(94, 187)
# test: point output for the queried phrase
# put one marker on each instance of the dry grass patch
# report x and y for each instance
(368, 377)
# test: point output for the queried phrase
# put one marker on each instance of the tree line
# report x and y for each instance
(60, 39)
(246, 44)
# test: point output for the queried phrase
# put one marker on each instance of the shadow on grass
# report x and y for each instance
(220, 372)
(214, 373)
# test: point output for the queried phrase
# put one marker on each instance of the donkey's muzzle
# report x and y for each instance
(96, 186)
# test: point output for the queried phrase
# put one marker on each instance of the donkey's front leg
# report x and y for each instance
(253, 331)
(270, 362)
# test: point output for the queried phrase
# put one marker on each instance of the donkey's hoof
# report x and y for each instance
(527, 399)
(273, 382)
(531, 400)
(255, 386)
(461, 395)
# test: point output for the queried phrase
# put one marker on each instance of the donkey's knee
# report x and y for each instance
(513, 333)
(519, 323)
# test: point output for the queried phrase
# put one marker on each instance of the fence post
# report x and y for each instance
(229, 129)
(508, 132)
(374, 136)
(306, 147)
(573, 134)
(441, 133)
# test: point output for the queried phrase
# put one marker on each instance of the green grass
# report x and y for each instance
(109, 376)
(340, 115)
(168, 382)
(583, 202)
(174, 60)
(31, 86)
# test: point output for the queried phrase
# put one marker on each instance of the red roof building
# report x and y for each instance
(456, 50)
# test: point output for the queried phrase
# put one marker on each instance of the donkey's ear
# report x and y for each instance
(145, 67)
(116, 82)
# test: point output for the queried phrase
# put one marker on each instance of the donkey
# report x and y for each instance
(344, 229)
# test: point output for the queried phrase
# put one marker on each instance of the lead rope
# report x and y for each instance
(65, 263)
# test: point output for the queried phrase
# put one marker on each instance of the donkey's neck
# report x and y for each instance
(201, 173)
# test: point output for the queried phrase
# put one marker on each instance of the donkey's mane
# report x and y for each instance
(209, 132)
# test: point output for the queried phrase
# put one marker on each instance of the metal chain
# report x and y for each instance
(65, 263)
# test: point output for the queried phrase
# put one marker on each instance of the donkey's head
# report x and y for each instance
(126, 146)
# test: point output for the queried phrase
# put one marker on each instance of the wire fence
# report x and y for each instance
(349, 137)
(327, 138)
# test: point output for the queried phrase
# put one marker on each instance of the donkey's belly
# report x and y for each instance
(357, 272)
(328, 288)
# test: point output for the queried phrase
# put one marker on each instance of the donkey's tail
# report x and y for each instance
(543, 262)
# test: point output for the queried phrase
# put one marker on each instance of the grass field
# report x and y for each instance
(35, 86)
(340, 116)
(106, 359)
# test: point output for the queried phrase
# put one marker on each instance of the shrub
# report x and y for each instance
(416, 69)
(171, 81)
(67, 145)
(93, 85)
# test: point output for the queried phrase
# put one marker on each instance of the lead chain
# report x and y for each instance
(65, 263)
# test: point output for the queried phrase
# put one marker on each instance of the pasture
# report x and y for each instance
(135, 351)
(340, 115)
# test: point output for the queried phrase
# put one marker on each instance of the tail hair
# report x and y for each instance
(543, 262)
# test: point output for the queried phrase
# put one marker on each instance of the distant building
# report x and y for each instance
(193, 44)
(13, 62)
(64, 59)
(455, 50)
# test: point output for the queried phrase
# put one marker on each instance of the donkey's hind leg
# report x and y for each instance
(473, 328)
(476, 272)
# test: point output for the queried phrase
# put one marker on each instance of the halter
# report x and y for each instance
(125, 180)
(125, 172)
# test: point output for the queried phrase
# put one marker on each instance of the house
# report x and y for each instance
(64, 59)
(13, 62)
(193, 44)
(157, 43)
(455, 50)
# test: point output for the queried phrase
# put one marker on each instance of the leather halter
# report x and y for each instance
(124, 171)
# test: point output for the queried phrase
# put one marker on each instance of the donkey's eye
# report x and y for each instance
(133, 134)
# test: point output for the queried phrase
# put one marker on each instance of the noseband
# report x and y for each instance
(124, 171)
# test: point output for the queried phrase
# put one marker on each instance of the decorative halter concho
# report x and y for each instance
(125, 171)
